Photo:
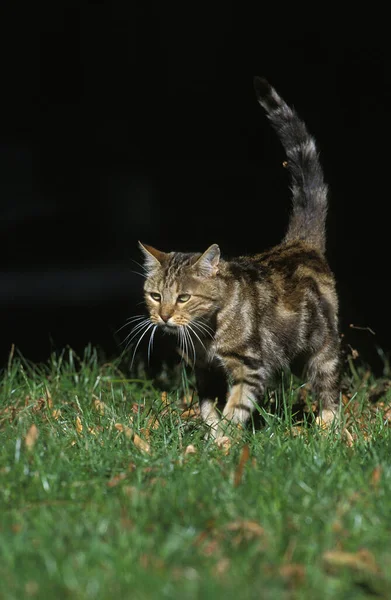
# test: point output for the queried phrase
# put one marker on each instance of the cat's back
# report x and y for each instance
(287, 272)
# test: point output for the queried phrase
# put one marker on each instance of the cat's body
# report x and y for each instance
(240, 321)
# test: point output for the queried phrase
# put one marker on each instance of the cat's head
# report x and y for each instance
(180, 288)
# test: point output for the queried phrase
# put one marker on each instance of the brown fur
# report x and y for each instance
(239, 321)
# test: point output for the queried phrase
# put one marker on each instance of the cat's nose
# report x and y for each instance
(165, 317)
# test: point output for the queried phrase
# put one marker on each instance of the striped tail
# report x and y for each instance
(309, 191)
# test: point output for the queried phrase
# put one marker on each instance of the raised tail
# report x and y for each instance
(309, 191)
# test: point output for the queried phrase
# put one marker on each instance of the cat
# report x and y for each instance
(239, 321)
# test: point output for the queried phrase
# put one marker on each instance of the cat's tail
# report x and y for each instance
(309, 191)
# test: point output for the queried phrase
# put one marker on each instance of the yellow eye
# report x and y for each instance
(184, 297)
(155, 296)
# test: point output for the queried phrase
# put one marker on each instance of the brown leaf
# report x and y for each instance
(39, 405)
(116, 480)
(251, 527)
(31, 437)
(124, 429)
(363, 560)
(190, 449)
(245, 455)
(376, 476)
(49, 400)
(79, 426)
(293, 572)
(99, 406)
(221, 567)
(152, 424)
(188, 414)
(141, 444)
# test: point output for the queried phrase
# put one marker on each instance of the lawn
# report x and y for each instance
(108, 488)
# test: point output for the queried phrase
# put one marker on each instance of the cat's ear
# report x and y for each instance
(153, 257)
(208, 263)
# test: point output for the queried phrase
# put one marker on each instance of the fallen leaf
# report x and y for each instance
(116, 480)
(39, 405)
(376, 476)
(248, 526)
(141, 444)
(363, 560)
(222, 566)
(31, 437)
(124, 429)
(79, 426)
(99, 406)
(245, 455)
(56, 414)
(190, 449)
(188, 414)
(49, 400)
(293, 571)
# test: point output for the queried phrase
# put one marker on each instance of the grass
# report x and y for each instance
(108, 488)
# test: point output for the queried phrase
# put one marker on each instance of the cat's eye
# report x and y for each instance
(183, 297)
(155, 296)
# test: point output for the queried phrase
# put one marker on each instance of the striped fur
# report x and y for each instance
(240, 321)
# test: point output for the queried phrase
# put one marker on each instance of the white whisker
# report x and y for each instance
(135, 331)
(201, 329)
(185, 345)
(138, 343)
(202, 321)
(130, 320)
(197, 336)
(187, 333)
(150, 343)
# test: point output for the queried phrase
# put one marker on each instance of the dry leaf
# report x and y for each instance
(363, 560)
(164, 398)
(116, 480)
(39, 405)
(293, 571)
(79, 426)
(376, 476)
(56, 414)
(99, 406)
(222, 566)
(31, 437)
(245, 455)
(251, 527)
(124, 429)
(49, 400)
(141, 444)
(190, 449)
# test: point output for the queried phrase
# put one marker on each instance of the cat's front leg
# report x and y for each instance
(212, 392)
(248, 378)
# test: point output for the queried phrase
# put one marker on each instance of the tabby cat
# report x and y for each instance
(239, 321)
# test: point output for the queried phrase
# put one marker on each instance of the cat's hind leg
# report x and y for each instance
(324, 376)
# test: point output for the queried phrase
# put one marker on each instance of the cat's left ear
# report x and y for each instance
(208, 263)
(153, 257)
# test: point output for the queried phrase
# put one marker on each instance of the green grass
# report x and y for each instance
(86, 511)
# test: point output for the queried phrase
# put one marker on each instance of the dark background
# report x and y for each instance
(119, 126)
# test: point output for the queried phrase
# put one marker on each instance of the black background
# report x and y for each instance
(125, 125)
